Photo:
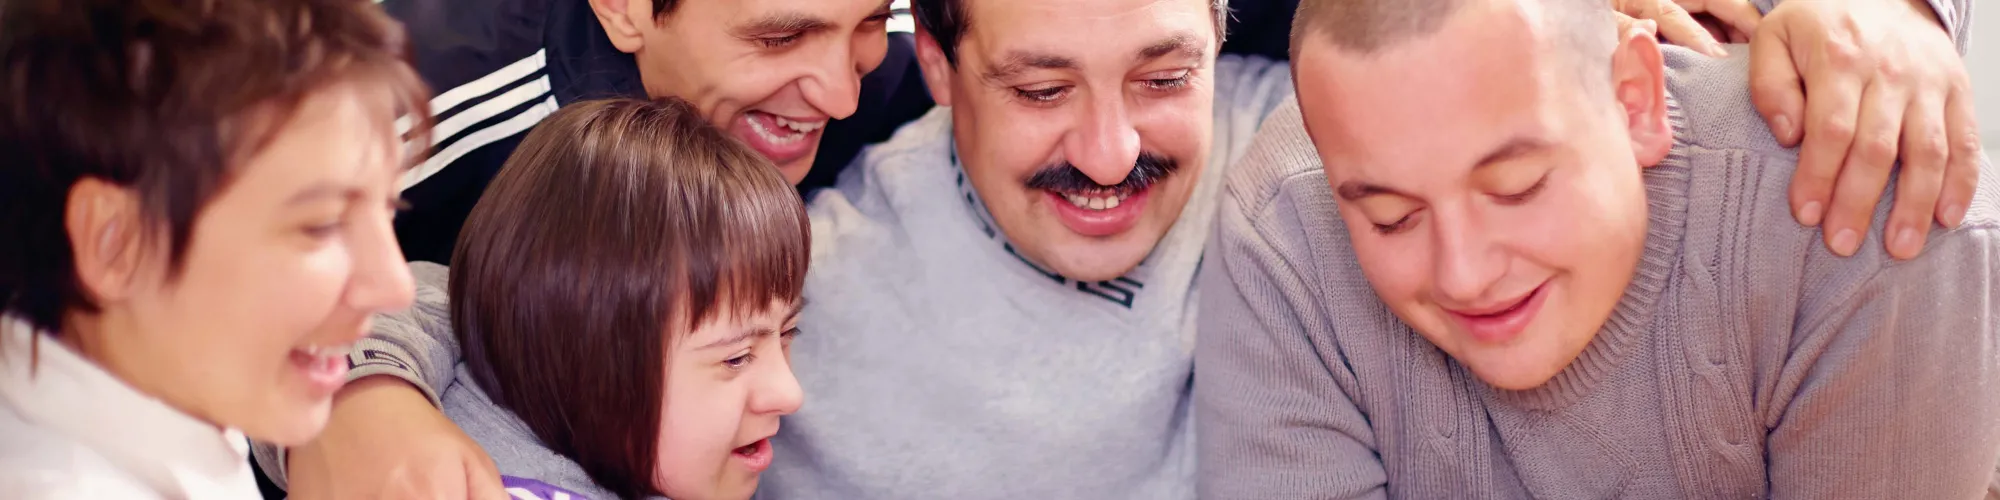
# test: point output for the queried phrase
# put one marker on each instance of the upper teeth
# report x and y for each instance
(788, 132)
(797, 126)
(1106, 202)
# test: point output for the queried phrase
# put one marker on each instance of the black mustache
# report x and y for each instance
(1066, 178)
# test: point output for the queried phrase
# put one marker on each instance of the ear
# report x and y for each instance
(624, 22)
(1638, 80)
(102, 221)
(937, 70)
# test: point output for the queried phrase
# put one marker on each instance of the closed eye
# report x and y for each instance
(1042, 95)
(1166, 84)
(773, 42)
(1399, 226)
(1525, 194)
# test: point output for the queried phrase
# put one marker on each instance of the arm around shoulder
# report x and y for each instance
(1890, 387)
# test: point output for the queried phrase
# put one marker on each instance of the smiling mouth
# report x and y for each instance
(781, 130)
(1500, 323)
(1095, 200)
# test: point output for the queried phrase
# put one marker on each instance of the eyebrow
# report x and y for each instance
(755, 331)
(1356, 191)
(782, 22)
(1018, 61)
(321, 191)
(1515, 148)
(1182, 43)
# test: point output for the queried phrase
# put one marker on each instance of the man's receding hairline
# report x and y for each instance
(947, 22)
(1368, 26)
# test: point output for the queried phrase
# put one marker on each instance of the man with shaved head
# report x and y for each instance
(1518, 249)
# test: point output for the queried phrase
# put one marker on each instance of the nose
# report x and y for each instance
(1104, 145)
(1468, 261)
(834, 84)
(780, 393)
(380, 280)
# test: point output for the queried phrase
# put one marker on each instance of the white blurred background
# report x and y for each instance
(1983, 60)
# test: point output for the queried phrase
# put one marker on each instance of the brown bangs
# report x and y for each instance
(752, 252)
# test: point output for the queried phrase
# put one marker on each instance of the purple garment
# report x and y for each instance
(521, 488)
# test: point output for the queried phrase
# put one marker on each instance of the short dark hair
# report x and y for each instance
(616, 227)
(947, 21)
(161, 97)
(1365, 26)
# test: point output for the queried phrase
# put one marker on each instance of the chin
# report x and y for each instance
(1096, 264)
(795, 171)
(1524, 365)
(290, 425)
(1515, 378)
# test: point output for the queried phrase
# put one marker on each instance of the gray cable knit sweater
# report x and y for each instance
(1744, 361)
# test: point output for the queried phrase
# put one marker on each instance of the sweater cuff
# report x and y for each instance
(372, 357)
(1955, 22)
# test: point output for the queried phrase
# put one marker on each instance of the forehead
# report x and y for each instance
(1083, 28)
(1437, 99)
(838, 11)
(340, 132)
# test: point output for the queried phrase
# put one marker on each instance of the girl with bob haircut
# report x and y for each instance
(625, 292)
(195, 206)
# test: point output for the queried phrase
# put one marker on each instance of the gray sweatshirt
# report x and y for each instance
(939, 364)
(1744, 361)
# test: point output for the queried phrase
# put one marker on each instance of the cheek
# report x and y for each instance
(1168, 124)
(1398, 267)
(1596, 221)
(1007, 144)
(701, 417)
(259, 289)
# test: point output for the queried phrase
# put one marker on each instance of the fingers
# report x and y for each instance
(1961, 175)
(1775, 85)
(1739, 14)
(1738, 37)
(1864, 173)
(482, 479)
(1924, 155)
(1830, 121)
(1680, 28)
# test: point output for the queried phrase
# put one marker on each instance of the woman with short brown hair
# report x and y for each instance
(195, 205)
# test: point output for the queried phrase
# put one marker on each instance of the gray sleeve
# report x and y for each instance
(1956, 15)
(1888, 391)
(1273, 412)
(415, 345)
